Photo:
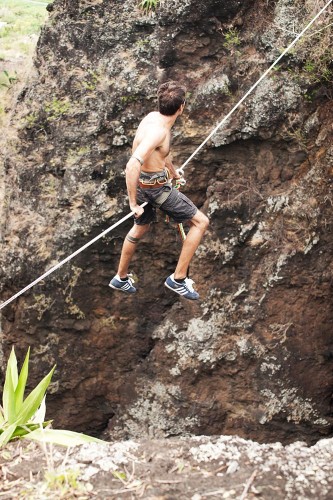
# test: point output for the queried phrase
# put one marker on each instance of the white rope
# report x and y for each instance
(54, 268)
(180, 170)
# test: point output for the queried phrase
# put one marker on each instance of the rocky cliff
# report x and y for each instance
(254, 356)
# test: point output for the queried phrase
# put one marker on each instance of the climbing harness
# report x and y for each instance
(154, 180)
(158, 202)
(181, 169)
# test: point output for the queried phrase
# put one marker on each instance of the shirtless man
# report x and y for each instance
(149, 172)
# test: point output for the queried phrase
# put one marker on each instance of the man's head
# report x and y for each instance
(171, 96)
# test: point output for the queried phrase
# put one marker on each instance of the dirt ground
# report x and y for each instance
(196, 468)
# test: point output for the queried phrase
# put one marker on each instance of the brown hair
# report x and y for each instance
(171, 95)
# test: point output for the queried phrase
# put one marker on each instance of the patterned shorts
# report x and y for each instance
(177, 205)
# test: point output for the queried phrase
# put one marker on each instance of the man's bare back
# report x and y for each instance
(149, 126)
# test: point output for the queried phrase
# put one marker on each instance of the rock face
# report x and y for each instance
(254, 356)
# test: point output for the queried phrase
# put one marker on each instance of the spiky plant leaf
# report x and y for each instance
(8, 397)
(19, 392)
(7, 434)
(22, 430)
(61, 437)
(2, 418)
(12, 366)
(16, 417)
(39, 416)
(33, 401)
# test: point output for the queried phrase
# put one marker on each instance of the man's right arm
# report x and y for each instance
(133, 168)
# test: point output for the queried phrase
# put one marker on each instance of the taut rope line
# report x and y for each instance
(67, 259)
(254, 86)
(180, 170)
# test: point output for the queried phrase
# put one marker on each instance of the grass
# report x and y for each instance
(20, 25)
(21, 22)
(314, 49)
(148, 5)
(232, 39)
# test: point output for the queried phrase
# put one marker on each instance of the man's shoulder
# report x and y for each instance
(152, 119)
(152, 125)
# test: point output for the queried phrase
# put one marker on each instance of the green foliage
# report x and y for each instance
(143, 42)
(119, 475)
(126, 99)
(297, 135)
(315, 51)
(6, 79)
(309, 66)
(232, 39)
(61, 437)
(22, 19)
(309, 96)
(16, 414)
(318, 70)
(21, 417)
(21, 23)
(63, 480)
(91, 82)
(148, 5)
(56, 109)
(31, 119)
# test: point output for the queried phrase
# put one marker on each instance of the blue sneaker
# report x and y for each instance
(184, 289)
(123, 285)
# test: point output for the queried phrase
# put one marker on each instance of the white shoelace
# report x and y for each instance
(130, 278)
(189, 284)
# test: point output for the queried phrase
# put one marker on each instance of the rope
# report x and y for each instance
(180, 170)
(67, 259)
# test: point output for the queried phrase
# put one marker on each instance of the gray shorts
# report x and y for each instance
(177, 205)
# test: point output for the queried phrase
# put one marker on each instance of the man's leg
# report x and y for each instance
(122, 281)
(199, 224)
(129, 247)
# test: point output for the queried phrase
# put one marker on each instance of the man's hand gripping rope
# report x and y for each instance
(181, 180)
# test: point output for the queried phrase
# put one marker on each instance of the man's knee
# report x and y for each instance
(205, 221)
(201, 221)
(137, 232)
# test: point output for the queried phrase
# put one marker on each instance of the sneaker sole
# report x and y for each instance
(176, 291)
(121, 290)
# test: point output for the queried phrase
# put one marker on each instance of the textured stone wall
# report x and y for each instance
(254, 356)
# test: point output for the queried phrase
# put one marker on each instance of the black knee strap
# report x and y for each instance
(132, 239)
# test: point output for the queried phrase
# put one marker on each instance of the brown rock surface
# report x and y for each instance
(254, 356)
